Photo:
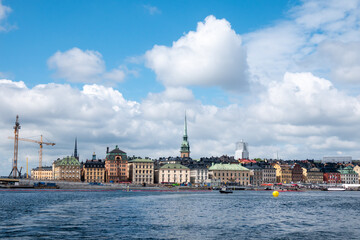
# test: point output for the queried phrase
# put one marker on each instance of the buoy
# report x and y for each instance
(275, 193)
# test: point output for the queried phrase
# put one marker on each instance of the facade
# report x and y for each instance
(173, 173)
(198, 174)
(315, 176)
(332, 177)
(304, 173)
(116, 166)
(349, 176)
(283, 173)
(357, 170)
(185, 146)
(241, 151)
(67, 169)
(269, 173)
(296, 173)
(230, 173)
(94, 170)
(45, 173)
(141, 171)
(256, 177)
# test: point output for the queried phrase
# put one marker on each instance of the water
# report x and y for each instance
(178, 215)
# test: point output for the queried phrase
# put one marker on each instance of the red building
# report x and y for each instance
(296, 173)
(332, 177)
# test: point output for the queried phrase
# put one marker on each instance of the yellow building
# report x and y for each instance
(46, 173)
(227, 173)
(67, 169)
(94, 170)
(141, 171)
(357, 170)
(283, 173)
(305, 177)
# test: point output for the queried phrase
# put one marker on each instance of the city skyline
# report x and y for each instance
(283, 76)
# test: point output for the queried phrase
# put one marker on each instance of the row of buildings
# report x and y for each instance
(117, 167)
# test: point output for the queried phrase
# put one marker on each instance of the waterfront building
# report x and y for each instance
(315, 176)
(357, 170)
(230, 173)
(185, 146)
(116, 166)
(283, 173)
(94, 170)
(256, 177)
(173, 173)
(198, 174)
(349, 176)
(304, 173)
(268, 173)
(141, 171)
(67, 169)
(45, 173)
(296, 173)
(241, 151)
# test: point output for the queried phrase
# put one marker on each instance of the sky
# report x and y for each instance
(281, 75)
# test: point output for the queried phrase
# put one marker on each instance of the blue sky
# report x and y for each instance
(281, 75)
(118, 30)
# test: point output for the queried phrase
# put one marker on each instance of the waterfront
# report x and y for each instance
(178, 215)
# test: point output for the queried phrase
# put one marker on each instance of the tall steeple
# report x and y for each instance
(75, 150)
(185, 146)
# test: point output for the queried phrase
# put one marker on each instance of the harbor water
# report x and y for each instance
(56, 214)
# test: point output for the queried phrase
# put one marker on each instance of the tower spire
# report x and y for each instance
(185, 146)
(75, 150)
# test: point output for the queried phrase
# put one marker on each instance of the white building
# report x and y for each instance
(241, 151)
(345, 159)
(198, 175)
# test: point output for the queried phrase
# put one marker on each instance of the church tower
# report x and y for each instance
(185, 146)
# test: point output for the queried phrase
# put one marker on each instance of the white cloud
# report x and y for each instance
(4, 12)
(76, 65)
(152, 9)
(211, 56)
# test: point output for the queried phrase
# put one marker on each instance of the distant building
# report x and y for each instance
(357, 170)
(67, 169)
(283, 173)
(315, 176)
(296, 173)
(185, 146)
(241, 151)
(116, 166)
(198, 174)
(94, 170)
(173, 173)
(349, 176)
(45, 173)
(346, 159)
(141, 171)
(230, 173)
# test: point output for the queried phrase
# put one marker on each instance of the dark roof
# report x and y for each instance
(117, 150)
(45, 168)
(94, 164)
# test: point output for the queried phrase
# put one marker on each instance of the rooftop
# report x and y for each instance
(173, 166)
(228, 167)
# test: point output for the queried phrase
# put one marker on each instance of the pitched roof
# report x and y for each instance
(141, 160)
(228, 167)
(67, 161)
(173, 166)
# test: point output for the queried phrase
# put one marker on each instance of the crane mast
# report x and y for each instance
(17, 127)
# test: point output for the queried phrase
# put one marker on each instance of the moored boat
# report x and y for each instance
(225, 190)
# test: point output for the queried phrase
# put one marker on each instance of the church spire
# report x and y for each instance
(75, 150)
(185, 146)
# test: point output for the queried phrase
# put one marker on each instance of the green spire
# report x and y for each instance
(185, 146)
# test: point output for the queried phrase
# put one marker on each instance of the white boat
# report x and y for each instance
(335, 189)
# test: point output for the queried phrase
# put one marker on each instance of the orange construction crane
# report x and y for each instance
(41, 142)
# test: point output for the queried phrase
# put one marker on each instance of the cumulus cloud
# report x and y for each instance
(301, 116)
(4, 12)
(212, 55)
(290, 44)
(76, 65)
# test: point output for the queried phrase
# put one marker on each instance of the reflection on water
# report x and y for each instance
(154, 215)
